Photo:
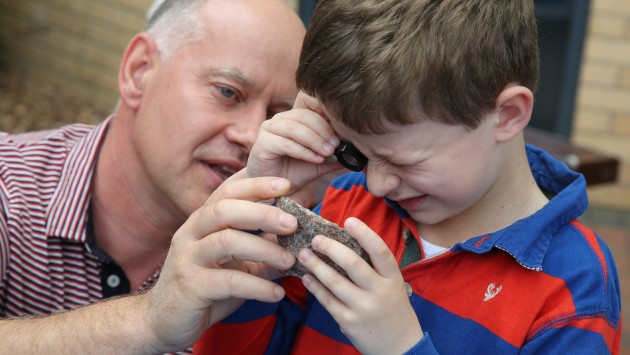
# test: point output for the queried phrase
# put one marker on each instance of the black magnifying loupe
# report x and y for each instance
(350, 157)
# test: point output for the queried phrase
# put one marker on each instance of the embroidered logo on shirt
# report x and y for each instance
(481, 240)
(492, 291)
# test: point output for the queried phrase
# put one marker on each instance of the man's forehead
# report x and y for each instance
(235, 75)
(232, 74)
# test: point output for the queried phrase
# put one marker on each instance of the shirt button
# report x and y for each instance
(408, 289)
(406, 235)
(113, 281)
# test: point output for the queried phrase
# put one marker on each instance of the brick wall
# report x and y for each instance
(75, 43)
(79, 43)
(602, 118)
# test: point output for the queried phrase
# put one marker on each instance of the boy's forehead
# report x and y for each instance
(332, 119)
(347, 133)
(335, 122)
(327, 112)
(416, 114)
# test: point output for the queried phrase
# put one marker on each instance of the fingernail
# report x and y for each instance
(307, 280)
(304, 254)
(334, 141)
(327, 148)
(350, 223)
(316, 240)
(278, 292)
(287, 220)
(279, 184)
(288, 259)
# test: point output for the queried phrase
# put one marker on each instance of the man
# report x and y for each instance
(89, 212)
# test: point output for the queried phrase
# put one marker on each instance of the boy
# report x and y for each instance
(472, 235)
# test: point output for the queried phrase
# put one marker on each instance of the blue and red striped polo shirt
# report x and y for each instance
(546, 284)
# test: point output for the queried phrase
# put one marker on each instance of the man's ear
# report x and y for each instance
(141, 55)
(514, 110)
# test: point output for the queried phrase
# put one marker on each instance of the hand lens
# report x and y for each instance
(350, 157)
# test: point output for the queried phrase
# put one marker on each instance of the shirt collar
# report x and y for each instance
(528, 240)
(66, 217)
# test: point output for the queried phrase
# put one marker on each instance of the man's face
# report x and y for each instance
(201, 111)
(433, 170)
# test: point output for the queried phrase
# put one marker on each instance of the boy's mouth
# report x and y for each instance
(412, 204)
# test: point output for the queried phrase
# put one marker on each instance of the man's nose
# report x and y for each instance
(245, 128)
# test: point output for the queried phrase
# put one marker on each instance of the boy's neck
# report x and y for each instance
(514, 196)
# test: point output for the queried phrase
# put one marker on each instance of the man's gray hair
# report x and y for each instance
(174, 24)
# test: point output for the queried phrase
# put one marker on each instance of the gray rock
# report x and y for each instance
(310, 225)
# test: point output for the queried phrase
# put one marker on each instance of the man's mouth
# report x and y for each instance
(223, 170)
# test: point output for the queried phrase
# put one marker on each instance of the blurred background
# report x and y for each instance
(59, 59)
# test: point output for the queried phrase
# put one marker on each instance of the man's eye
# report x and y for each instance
(227, 92)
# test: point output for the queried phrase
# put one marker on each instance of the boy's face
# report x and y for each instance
(433, 170)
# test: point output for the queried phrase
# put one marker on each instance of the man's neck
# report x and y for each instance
(128, 225)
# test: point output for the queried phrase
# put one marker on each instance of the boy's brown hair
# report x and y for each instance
(401, 61)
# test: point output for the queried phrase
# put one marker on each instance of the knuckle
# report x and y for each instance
(269, 123)
(353, 262)
(286, 145)
(363, 306)
(382, 252)
(335, 280)
(219, 209)
(315, 138)
(221, 240)
(349, 318)
(267, 213)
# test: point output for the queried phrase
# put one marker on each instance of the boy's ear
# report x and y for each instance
(140, 57)
(514, 110)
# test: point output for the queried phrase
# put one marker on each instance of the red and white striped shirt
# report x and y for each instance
(45, 189)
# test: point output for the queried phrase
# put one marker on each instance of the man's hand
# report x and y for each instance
(214, 265)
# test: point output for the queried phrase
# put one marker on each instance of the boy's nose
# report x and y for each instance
(380, 181)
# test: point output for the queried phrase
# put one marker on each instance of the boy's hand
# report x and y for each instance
(373, 309)
(294, 144)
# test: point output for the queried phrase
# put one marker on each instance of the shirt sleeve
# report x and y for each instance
(4, 238)
(423, 347)
(589, 335)
(592, 329)
(258, 327)
(4, 230)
